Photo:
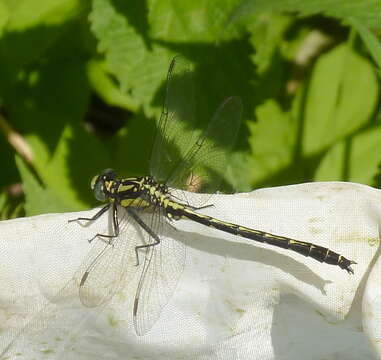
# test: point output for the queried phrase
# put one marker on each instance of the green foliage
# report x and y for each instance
(367, 12)
(83, 84)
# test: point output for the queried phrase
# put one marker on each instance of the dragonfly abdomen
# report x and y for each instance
(316, 252)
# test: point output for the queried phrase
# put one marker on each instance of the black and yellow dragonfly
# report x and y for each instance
(193, 162)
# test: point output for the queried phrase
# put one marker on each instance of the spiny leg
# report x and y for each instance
(97, 216)
(201, 207)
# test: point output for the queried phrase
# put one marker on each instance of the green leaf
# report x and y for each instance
(356, 159)
(3, 204)
(138, 70)
(368, 12)
(371, 41)
(272, 141)
(48, 68)
(11, 206)
(267, 35)
(106, 88)
(48, 103)
(340, 99)
(32, 29)
(30, 13)
(287, 148)
(195, 21)
(139, 60)
(39, 200)
(4, 16)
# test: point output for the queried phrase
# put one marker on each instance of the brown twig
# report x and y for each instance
(16, 140)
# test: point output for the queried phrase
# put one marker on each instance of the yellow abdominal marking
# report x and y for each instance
(272, 236)
(216, 221)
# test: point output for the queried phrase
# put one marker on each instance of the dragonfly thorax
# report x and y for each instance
(133, 191)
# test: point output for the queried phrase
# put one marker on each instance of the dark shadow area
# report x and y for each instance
(103, 119)
(87, 157)
(221, 70)
(44, 84)
(132, 149)
(329, 26)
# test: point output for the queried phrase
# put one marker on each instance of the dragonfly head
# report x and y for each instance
(100, 183)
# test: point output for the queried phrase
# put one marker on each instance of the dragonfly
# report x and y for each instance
(151, 203)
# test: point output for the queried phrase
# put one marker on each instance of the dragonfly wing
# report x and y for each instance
(184, 156)
(108, 267)
(162, 268)
(205, 163)
(178, 115)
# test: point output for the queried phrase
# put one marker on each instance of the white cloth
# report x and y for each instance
(236, 299)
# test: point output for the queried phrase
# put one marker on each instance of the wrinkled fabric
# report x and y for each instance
(235, 299)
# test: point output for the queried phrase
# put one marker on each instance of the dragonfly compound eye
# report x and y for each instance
(98, 189)
(94, 181)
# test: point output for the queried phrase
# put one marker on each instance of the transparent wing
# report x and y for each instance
(162, 268)
(178, 114)
(108, 267)
(192, 160)
(204, 164)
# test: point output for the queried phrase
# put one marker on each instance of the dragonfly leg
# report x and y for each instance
(103, 237)
(201, 207)
(147, 229)
(108, 239)
(95, 217)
